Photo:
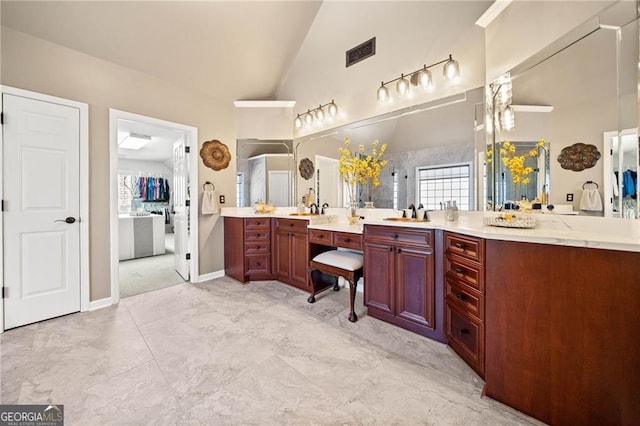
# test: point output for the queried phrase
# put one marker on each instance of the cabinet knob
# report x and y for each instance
(464, 331)
(257, 235)
(459, 245)
(459, 271)
(389, 248)
(320, 236)
(395, 236)
(399, 250)
(346, 240)
(461, 296)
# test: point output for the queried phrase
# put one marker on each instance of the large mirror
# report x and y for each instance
(265, 170)
(430, 155)
(579, 96)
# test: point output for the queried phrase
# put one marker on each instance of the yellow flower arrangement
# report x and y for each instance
(359, 167)
(516, 163)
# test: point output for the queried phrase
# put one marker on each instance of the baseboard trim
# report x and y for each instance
(211, 276)
(100, 303)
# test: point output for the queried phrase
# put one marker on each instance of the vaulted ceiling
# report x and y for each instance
(234, 50)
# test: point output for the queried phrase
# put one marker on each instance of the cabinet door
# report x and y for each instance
(378, 270)
(282, 254)
(415, 289)
(299, 260)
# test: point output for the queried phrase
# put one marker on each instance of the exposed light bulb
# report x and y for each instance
(333, 109)
(298, 122)
(383, 93)
(320, 113)
(308, 118)
(425, 79)
(402, 86)
(488, 122)
(451, 69)
(508, 118)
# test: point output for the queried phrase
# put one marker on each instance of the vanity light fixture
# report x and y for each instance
(420, 77)
(500, 114)
(319, 113)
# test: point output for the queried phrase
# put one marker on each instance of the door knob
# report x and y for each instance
(68, 220)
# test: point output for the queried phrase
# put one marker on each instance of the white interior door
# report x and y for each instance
(328, 181)
(41, 165)
(279, 188)
(180, 199)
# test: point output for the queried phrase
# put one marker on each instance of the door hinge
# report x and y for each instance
(188, 256)
(187, 149)
(187, 203)
(1, 205)
(611, 153)
(1, 117)
(5, 292)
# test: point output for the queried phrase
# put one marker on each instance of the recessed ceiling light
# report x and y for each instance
(134, 141)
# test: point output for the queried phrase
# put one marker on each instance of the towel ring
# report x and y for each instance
(204, 186)
(590, 182)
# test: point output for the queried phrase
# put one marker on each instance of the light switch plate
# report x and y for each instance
(222, 199)
(569, 197)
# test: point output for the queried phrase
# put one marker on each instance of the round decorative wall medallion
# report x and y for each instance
(215, 155)
(306, 168)
(578, 157)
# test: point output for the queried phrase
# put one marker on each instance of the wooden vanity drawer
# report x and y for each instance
(465, 272)
(320, 236)
(466, 336)
(466, 246)
(347, 240)
(467, 299)
(257, 247)
(392, 234)
(257, 234)
(258, 264)
(257, 223)
(292, 225)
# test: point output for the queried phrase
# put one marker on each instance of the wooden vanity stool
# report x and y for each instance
(325, 269)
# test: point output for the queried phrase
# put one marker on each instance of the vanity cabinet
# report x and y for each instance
(247, 248)
(400, 280)
(291, 255)
(562, 331)
(464, 296)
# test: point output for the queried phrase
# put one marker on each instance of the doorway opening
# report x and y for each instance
(153, 230)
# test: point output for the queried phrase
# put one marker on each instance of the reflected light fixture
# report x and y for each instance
(499, 112)
(319, 113)
(134, 141)
(421, 77)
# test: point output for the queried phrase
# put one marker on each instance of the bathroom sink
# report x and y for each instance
(405, 219)
(303, 214)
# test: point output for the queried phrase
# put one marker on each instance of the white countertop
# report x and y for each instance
(575, 231)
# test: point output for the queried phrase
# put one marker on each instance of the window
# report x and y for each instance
(240, 189)
(437, 185)
(395, 189)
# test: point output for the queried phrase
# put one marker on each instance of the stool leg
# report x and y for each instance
(352, 299)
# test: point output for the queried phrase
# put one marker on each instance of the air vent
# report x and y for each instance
(361, 51)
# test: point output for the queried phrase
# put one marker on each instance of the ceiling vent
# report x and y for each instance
(361, 51)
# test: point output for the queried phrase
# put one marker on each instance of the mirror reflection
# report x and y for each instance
(584, 92)
(264, 172)
(430, 155)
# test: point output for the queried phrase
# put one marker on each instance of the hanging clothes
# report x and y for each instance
(629, 183)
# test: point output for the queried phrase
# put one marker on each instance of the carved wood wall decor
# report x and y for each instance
(215, 155)
(306, 168)
(578, 157)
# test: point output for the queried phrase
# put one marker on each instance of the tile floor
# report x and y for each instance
(224, 353)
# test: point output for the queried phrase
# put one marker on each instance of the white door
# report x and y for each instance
(328, 181)
(180, 199)
(279, 188)
(41, 164)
